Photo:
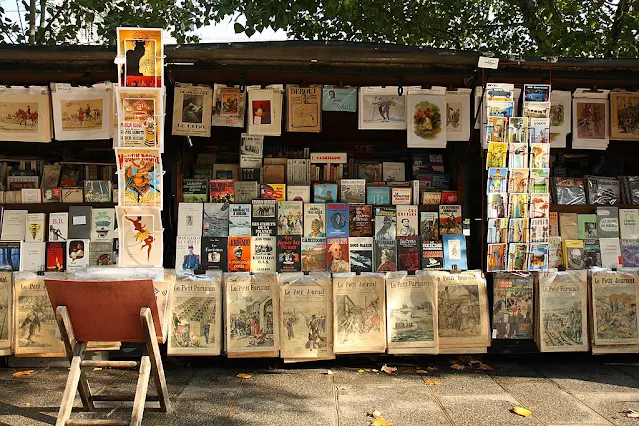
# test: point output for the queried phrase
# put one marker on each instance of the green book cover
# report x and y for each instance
(586, 226)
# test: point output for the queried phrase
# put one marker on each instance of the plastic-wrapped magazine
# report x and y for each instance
(513, 306)
(462, 309)
(35, 331)
(306, 317)
(614, 307)
(6, 320)
(251, 312)
(196, 315)
(359, 308)
(603, 190)
(411, 314)
(562, 314)
(631, 189)
(569, 190)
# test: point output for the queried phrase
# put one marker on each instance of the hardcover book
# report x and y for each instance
(569, 190)
(264, 219)
(263, 254)
(32, 256)
(324, 193)
(360, 220)
(607, 222)
(337, 255)
(385, 223)
(337, 216)
(35, 227)
(378, 195)
(79, 222)
(289, 253)
(289, 218)
(313, 254)
(215, 221)
(14, 224)
(239, 220)
(353, 191)
(195, 190)
(246, 191)
(408, 254)
(239, 254)
(55, 256)
(432, 255)
(222, 191)
(190, 219)
(385, 255)
(77, 254)
(361, 254)
(213, 253)
(407, 221)
(450, 219)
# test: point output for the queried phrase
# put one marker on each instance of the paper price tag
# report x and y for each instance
(119, 60)
(489, 63)
(62, 87)
(79, 220)
(494, 333)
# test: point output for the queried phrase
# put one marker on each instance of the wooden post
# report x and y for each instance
(70, 343)
(156, 361)
(72, 386)
(140, 391)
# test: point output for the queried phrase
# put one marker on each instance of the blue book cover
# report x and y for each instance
(343, 99)
(325, 193)
(337, 220)
(455, 252)
(378, 195)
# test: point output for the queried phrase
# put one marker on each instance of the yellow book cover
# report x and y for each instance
(573, 252)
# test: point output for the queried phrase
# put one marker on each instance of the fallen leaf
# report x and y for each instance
(632, 414)
(432, 382)
(361, 371)
(22, 373)
(485, 367)
(388, 370)
(521, 411)
(97, 369)
(244, 376)
(374, 413)
(328, 372)
(421, 371)
(377, 419)
(457, 367)
(374, 370)
(27, 404)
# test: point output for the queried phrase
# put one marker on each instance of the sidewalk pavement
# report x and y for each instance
(558, 393)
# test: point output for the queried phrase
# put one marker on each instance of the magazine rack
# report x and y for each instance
(94, 311)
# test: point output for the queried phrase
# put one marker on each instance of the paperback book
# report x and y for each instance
(337, 216)
(385, 223)
(77, 254)
(239, 220)
(315, 220)
(263, 218)
(455, 252)
(586, 226)
(214, 253)
(221, 191)
(188, 251)
(607, 222)
(289, 218)
(378, 195)
(574, 254)
(35, 227)
(408, 254)
(361, 254)
(313, 254)
(630, 253)
(215, 221)
(385, 255)
(407, 221)
(450, 219)
(55, 256)
(263, 254)
(195, 190)
(325, 193)
(190, 219)
(337, 255)
(353, 191)
(239, 254)
(592, 253)
(360, 221)
(103, 225)
(432, 255)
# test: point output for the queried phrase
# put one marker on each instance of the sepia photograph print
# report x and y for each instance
(614, 308)
(624, 116)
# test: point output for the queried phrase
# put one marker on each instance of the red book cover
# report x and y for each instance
(56, 256)
(408, 254)
(337, 259)
(239, 254)
(222, 191)
(449, 197)
(289, 253)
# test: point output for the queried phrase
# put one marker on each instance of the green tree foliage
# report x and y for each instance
(597, 28)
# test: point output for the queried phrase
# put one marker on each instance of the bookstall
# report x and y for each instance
(318, 199)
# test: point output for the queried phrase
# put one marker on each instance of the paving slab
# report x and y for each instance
(351, 376)
(465, 383)
(402, 405)
(612, 406)
(552, 405)
(590, 377)
(484, 411)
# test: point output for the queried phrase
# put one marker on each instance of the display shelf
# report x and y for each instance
(51, 207)
(586, 208)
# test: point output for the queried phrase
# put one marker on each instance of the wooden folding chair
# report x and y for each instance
(99, 311)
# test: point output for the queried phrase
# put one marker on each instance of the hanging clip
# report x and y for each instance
(242, 83)
(400, 86)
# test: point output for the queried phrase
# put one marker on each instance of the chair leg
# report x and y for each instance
(140, 391)
(71, 387)
(70, 344)
(156, 360)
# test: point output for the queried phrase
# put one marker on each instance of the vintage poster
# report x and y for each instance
(140, 177)
(192, 110)
(140, 118)
(359, 313)
(590, 119)
(306, 318)
(304, 110)
(458, 114)
(35, 327)
(196, 316)
(562, 300)
(339, 99)
(624, 115)
(427, 126)
(462, 307)
(25, 114)
(252, 315)
(81, 113)
(411, 314)
(513, 313)
(229, 105)
(265, 111)
(140, 236)
(6, 317)
(382, 108)
(560, 111)
(614, 308)
(140, 57)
